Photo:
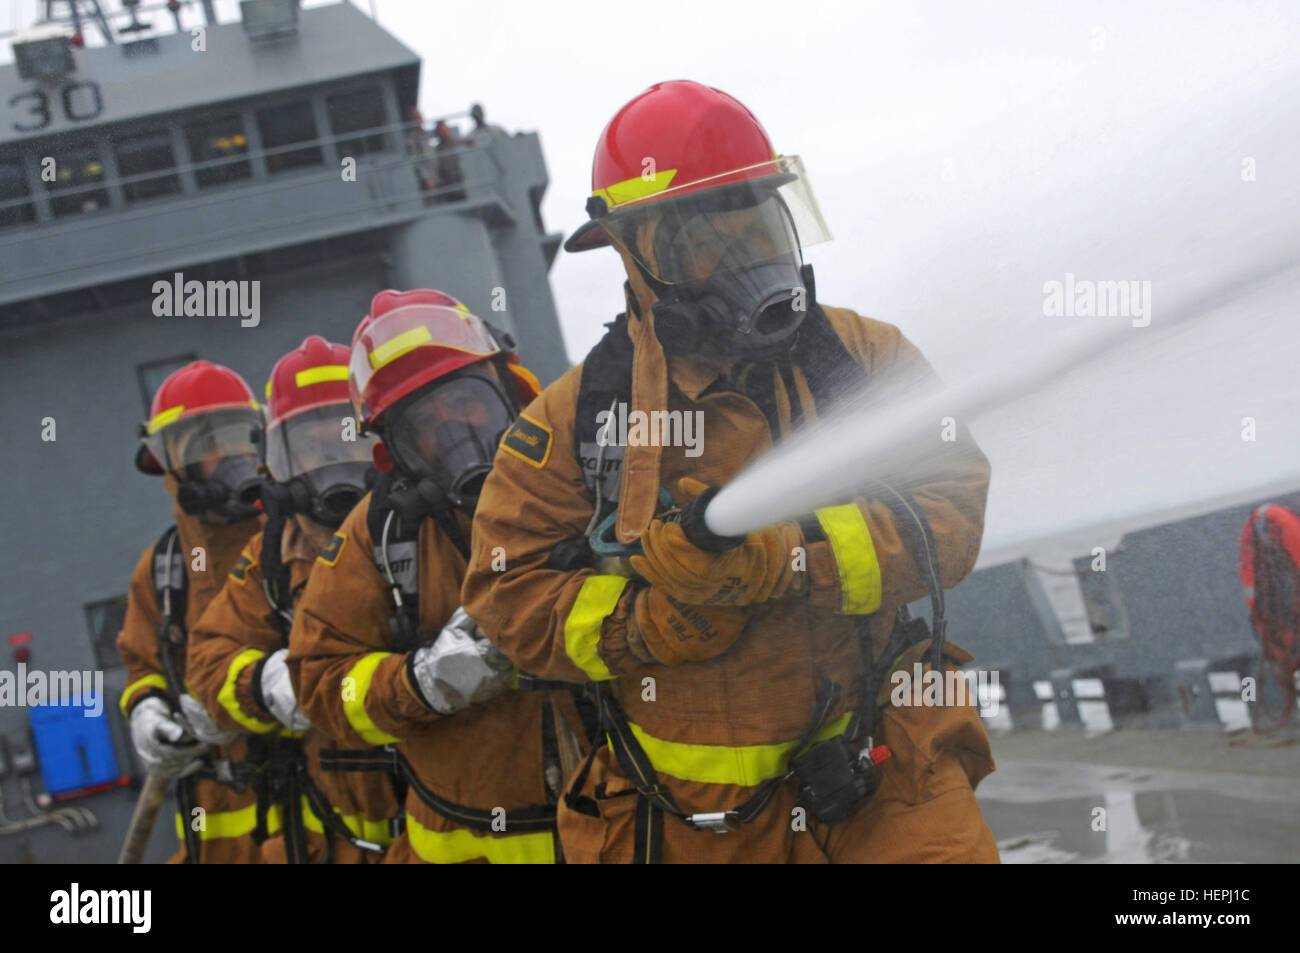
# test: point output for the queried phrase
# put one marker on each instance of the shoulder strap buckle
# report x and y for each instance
(715, 822)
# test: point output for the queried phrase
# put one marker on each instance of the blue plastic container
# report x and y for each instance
(74, 751)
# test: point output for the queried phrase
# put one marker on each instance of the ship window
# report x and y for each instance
(105, 619)
(15, 194)
(219, 149)
(151, 374)
(139, 155)
(78, 180)
(283, 126)
(357, 112)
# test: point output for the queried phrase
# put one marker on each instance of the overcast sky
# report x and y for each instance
(964, 154)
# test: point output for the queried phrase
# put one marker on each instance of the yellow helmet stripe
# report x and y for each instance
(318, 375)
(406, 341)
(165, 417)
(638, 187)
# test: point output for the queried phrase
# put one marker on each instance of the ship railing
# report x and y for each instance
(418, 153)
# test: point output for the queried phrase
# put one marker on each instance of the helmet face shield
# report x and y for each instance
(751, 217)
(311, 446)
(214, 460)
(314, 439)
(449, 433)
(192, 448)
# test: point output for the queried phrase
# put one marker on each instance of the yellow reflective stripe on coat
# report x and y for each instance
(855, 557)
(354, 699)
(377, 832)
(227, 694)
(460, 845)
(597, 598)
(741, 765)
(221, 824)
(149, 681)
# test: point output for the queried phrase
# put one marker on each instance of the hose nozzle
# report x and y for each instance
(695, 526)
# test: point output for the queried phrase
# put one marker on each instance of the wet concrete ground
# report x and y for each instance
(1192, 796)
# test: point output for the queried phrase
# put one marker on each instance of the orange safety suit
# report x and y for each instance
(353, 683)
(238, 630)
(714, 730)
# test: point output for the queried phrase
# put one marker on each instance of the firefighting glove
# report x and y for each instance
(666, 631)
(277, 692)
(459, 668)
(161, 741)
(759, 569)
(200, 723)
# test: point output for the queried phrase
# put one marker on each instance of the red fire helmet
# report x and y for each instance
(411, 338)
(313, 374)
(194, 390)
(307, 427)
(679, 139)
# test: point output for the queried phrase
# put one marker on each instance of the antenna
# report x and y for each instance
(93, 12)
(135, 26)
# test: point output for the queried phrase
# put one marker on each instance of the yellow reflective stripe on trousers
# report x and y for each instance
(742, 765)
(149, 681)
(378, 832)
(227, 694)
(354, 699)
(220, 824)
(460, 845)
(597, 598)
(855, 556)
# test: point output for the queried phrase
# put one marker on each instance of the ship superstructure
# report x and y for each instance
(219, 192)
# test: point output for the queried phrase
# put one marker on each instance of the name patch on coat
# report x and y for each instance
(240, 571)
(330, 554)
(529, 441)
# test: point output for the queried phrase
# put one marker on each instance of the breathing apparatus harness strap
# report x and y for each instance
(276, 580)
(397, 545)
(537, 817)
(606, 381)
(171, 587)
(286, 780)
(655, 799)
(396, 511)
